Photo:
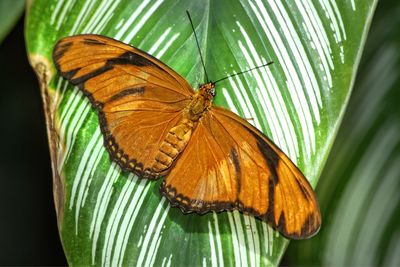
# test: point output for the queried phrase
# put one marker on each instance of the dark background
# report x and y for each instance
(28, 227)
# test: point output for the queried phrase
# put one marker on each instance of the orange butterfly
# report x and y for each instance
(154, 124)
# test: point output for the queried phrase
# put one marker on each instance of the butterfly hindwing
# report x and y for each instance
(138, 98)
(230, 165)
(198, 182)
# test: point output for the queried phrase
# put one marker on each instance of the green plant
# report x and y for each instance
(110, 217)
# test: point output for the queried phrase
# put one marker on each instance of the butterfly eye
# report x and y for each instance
(212, 92)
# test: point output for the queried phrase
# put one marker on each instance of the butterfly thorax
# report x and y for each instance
(201, 101)
(179, 135)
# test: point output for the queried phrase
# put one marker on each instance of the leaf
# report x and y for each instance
(107, 217)
(10, 12)
(359, 188)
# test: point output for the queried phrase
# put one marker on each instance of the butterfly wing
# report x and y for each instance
(138, 98)
(229, 164)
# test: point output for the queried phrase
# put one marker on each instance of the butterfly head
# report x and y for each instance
(207, 90)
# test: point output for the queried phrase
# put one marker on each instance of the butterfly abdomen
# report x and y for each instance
(173, 144)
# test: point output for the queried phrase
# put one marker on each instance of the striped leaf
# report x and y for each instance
(359, 187)
(109, 217)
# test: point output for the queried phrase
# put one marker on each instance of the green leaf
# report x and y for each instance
(359, 188)
(110, 217)
(10, 12)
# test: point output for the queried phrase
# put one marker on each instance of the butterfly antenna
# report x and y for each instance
(198, 46)
(235, 74)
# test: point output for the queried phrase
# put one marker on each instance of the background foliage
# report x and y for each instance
(359, 188)
(10, 12)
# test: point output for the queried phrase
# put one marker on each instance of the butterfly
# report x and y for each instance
(156, 125)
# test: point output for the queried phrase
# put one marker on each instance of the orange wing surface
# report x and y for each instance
(155, 124)
(230, 165)
(138, 98)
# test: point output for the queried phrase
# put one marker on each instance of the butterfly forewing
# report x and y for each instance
(82, 57)
(138, 97)
(232, 165)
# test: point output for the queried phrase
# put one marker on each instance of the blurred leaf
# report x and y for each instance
(359, 188)
(110, 217)
(10, 11)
